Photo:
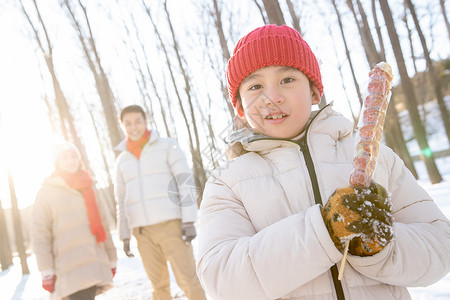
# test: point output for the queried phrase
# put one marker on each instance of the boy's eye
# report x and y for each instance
(287, 80)
(255, 87)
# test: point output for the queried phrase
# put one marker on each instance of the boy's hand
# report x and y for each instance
(48, 283)
(188, 232)
(362, 216)
(126, 248)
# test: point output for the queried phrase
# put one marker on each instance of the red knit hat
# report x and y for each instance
(271, 45)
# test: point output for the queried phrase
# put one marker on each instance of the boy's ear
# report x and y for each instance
(240, 109)
(315, 94)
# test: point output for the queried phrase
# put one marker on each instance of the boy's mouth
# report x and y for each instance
(276, 116)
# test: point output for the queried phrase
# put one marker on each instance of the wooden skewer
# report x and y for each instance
(344, 258)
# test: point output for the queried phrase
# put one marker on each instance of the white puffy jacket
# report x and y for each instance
(261, 235)
(155, 188)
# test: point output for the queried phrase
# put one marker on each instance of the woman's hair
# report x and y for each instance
(132, 108)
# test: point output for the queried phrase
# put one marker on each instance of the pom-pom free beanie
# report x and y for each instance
(271, 45)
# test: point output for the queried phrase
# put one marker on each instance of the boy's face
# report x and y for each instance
(134, 125)
(276, 101)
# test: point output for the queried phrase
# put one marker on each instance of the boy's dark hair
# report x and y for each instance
(132, 108)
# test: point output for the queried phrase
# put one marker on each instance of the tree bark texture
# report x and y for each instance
(431, 72)
(411, 102)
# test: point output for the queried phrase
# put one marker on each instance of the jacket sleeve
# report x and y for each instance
(237, 262)
(110, 248)
(109, 244)
(185, 183)
(119, 191)
(419, 254)
(42, 233)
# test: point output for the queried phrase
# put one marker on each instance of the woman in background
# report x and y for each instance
(74, 250)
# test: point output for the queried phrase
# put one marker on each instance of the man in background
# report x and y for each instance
(156, 202)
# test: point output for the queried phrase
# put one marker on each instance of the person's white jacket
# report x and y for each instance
(155, 188)
(261, 235)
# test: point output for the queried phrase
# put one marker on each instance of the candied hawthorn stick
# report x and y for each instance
(370, 131)
(371, 125)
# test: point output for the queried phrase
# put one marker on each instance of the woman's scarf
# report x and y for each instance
(135, 147)
(82, 182)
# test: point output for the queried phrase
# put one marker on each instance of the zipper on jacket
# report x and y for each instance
(318, 199)
(311, 170)
(141, 191)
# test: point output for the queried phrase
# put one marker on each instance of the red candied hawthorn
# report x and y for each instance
(367, 131)
(374, 102)
(370, 116)
(358, 178)
(363, 148)
(377, 86)
(360, 163)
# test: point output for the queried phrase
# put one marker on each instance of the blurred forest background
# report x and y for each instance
(79, 62)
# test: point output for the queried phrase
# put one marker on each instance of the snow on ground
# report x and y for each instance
(131, 282)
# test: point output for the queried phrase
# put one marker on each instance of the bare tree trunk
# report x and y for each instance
(261, 11)
(274, 12)
(111, 202)
(347, 53)
(382, 51)
(17, 226)
(217, 16)
(394, 137)
(141, 82)
(5, 248)
(174, 133)
(370, 56)
(101, 80)
(432, 72)
(212, 144)
(444, 14)
(152, 81)
(199, 178)
(60, 99)
(219, 27)
(51, 115)
(294, 16)
(371, 48)
(48, 56)
(198, 166)
(411, 47)
(355, 119)
(411, 102)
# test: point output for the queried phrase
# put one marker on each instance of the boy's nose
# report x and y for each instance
(273, 97)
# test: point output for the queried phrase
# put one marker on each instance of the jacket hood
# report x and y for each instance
(246, 139)
(122, 146)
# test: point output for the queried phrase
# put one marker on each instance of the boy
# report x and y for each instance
(261, 230)
(156, 206)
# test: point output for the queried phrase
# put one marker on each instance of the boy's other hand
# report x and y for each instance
(362, 216)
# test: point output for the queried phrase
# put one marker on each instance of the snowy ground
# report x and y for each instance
(131, 282)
